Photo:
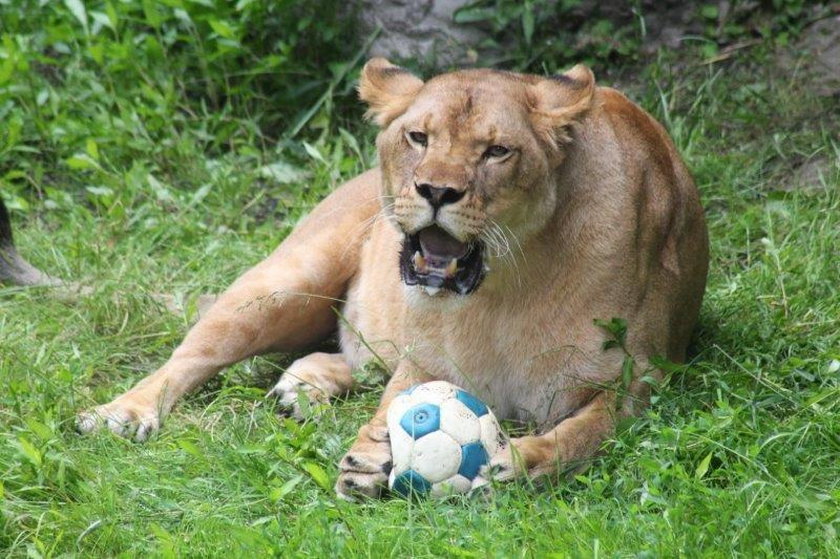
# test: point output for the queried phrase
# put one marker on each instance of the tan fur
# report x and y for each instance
(592, 215)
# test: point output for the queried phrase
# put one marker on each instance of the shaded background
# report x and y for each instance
(224, 76)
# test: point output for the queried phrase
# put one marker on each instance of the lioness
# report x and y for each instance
(508, 213)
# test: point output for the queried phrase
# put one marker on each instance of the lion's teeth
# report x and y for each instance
(419, 262)
(432, 291)
(452, 268)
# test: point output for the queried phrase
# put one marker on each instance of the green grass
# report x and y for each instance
(131, 190)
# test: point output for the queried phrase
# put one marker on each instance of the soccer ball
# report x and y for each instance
(441, 435)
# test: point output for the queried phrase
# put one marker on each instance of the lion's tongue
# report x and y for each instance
(440, 246)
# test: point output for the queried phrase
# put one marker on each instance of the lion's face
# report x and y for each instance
(467, 164)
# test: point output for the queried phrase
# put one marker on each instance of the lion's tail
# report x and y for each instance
(13, 268)
(17, 271)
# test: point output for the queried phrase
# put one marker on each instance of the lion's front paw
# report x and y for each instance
(502, 466)
(525, 456)
(364, 469)
(293, 394)
(124, 416)
(310, 381)
(519, 457)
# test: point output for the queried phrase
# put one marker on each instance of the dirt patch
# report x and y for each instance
(814, 62)
(815, 57)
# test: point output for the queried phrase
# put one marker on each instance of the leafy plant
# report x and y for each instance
(545, 35)
(548, 36)
(170, 78)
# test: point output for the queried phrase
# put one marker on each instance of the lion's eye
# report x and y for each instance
(496, 152)
(419, 138)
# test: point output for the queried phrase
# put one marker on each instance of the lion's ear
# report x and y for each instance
(387, 89)
(559, 101)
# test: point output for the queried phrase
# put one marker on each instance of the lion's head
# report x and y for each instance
(468, 162)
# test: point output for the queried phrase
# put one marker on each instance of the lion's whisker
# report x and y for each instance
(500, 247)
(366, 225)
(518, 244)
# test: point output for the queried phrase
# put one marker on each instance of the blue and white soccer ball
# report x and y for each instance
(441, 436)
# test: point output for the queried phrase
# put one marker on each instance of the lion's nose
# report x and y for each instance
(438, 195)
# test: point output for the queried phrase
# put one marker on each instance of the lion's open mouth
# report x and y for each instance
(436, 260)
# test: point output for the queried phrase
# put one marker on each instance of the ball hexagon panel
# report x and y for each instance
(410, 482)
(408, 391)
(455, 485)
(398, 406)
(478, 407)
(434, 392)
(490, 434)
(473, 457)
(436, 456)
(457, 420)
(401, 444)
(421, 420)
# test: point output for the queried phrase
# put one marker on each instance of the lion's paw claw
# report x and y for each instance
(289, 390)
(131, 422)
(501, 466)
(364, 471)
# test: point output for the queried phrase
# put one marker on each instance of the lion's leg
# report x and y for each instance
(364, 469)
(316, 377)
(571, 444)
(283, 304)
(269, 307)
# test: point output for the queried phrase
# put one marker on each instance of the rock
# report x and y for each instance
(423, 30)
(819, 49)
(813, 174)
